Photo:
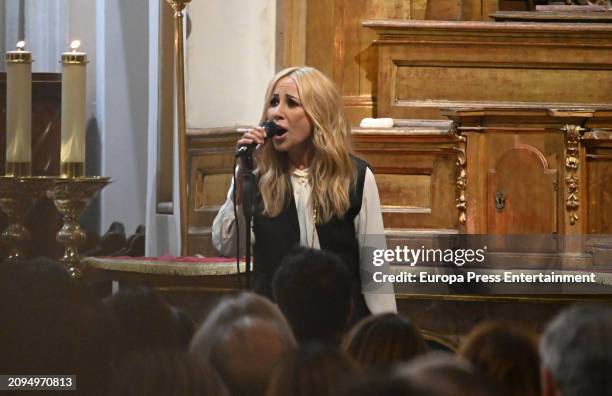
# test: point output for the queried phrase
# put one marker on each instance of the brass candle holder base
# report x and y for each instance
(17, 196)
(71, 197)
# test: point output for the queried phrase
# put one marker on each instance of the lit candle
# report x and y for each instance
(19, 112)
(72, 155)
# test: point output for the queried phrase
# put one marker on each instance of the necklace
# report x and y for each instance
(314, 226)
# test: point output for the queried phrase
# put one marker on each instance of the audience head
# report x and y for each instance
(185, 327)
(507, 355)
(313, 370)
(381, 383)
(440, 374)
(381, 341)
(146, 320)
(244, 338)
(576, 353)
(313, 289)
(54, 325)
(165, 373)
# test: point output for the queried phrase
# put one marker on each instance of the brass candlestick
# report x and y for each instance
(17, 196)
(71, 197)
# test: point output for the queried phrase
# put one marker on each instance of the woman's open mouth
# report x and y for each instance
(281, 136)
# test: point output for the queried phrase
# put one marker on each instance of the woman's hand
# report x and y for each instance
(255, 135)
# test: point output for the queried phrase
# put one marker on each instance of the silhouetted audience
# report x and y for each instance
(313, 289)
(382, 383)
(576, 353)
(507, 355)
(185, 327)
(440, 374)
(244, 338)
(313, 370)
(146, 321)
(135, 343)
(52, 324)
(166, 373)
(381, 341)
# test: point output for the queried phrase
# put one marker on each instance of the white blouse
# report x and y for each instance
(368, 225)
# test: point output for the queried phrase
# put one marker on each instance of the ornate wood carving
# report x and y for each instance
(572, 164)
(461, 183)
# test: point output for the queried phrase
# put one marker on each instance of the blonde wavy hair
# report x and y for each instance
(331, 172)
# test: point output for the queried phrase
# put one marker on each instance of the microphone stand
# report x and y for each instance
(248, 198)
(248, 190)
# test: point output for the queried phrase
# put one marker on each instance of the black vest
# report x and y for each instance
(276, 236)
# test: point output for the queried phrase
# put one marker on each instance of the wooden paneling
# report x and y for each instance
(426, 65)
(409, 193)
(290, 33)
(478, 10)
(210, 158)
(599, 180)
(210, 189)
(450, 10)
(415, 169)
(482, 82)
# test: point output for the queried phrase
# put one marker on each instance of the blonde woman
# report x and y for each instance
(311, 190)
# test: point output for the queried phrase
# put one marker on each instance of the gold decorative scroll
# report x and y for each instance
(572, 164)
(461, 183)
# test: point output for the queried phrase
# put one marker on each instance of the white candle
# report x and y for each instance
(73, 105)
(19, 105)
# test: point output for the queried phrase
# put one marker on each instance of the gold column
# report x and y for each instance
(179, 70)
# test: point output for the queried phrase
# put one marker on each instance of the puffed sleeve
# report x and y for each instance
(224, 227)
(379, 296)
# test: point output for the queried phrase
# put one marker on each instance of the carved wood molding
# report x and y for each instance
(572, 165)
(461, 183)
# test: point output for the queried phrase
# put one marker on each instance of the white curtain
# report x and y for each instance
(45, 33)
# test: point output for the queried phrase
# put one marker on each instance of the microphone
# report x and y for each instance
(271, 130)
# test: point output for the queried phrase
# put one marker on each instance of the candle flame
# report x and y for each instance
(20, 45)
(75, 44)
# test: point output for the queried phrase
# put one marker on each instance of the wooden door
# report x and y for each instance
(522, 194)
